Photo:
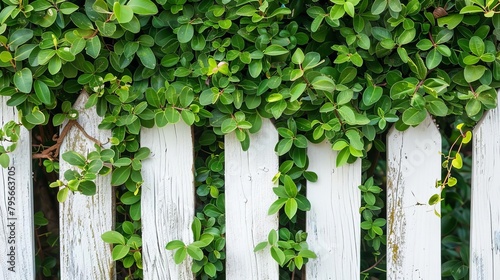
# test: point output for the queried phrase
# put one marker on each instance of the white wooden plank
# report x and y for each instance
(167, 201)
(16, 206)
(248, 182)
(84, 218)
(485, 209)
(413, 229)
(333, 223)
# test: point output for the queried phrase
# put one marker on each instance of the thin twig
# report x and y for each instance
(53, 151)
(374, 265)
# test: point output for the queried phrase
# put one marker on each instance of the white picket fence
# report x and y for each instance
(333, 224)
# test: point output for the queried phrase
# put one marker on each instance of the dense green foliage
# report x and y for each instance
(342, 70)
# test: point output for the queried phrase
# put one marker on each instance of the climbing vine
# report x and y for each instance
(341, 70)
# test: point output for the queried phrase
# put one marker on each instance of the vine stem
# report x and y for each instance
(374, 265)
(53, 151)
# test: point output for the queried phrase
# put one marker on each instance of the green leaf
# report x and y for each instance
(123, 13)
(347, 114)
(337, 12)
(290, 187)
(452, 181)
(19, 37)
(278, 255)
(414, 116)
(67, 8)
(424, 44)
(188, 117)
(407, 36)
(210, 269)
(476, 45)
(185, 33)
(260, 246)
(35, 117)
(275, 50)
(451, 21)
(371, 95)
(467, 138)
(228, 125)
(437, 107)
(395, 5)
(180, 255)
(311, 60)
(378, 6)
(113, 237)
(173, 116)
(74, 158)
(471, 9)
(323, 83)
(55, 65)
(444, 36)
(143, 7)
(62, 194)
(195, 252)
(342, 157)
(5, 56)
(93, 46)
(305, 253)
(147, 57)
(4, 160)
(473, 107)
(283, 146)
(255, 68)
(23, 80)
(433, 59)
(43, 93)
(291, 208)
(120, 175)
(349, 8)
(174, 244)
(402, 89)
(473, 72)
(457, 161)
(276, 206)
(298, 56)
(120, 251)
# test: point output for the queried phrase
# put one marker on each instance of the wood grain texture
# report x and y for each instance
(249, 194)
(485, 209)
(333, 223)
(167, 201)
(18, 227)
(413, 229)
(83, 219)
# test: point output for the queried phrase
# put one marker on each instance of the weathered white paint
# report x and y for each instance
(84, 218)
(16, 223)
(248, 181)
(333, 223)
(413, 229)
(167, 200)
(485, 209)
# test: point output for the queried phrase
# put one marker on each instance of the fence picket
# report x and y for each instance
(167, 199)
(485, 209)
(333, 223)
(16, 220)
(248, 197)
(83, 219)
(413, 229)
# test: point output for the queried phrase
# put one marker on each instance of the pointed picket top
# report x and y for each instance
(83, 219)
(333, 223)
(249, 193)
(485, 209)
(17, 254)
(413, 228)
(167, 199)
